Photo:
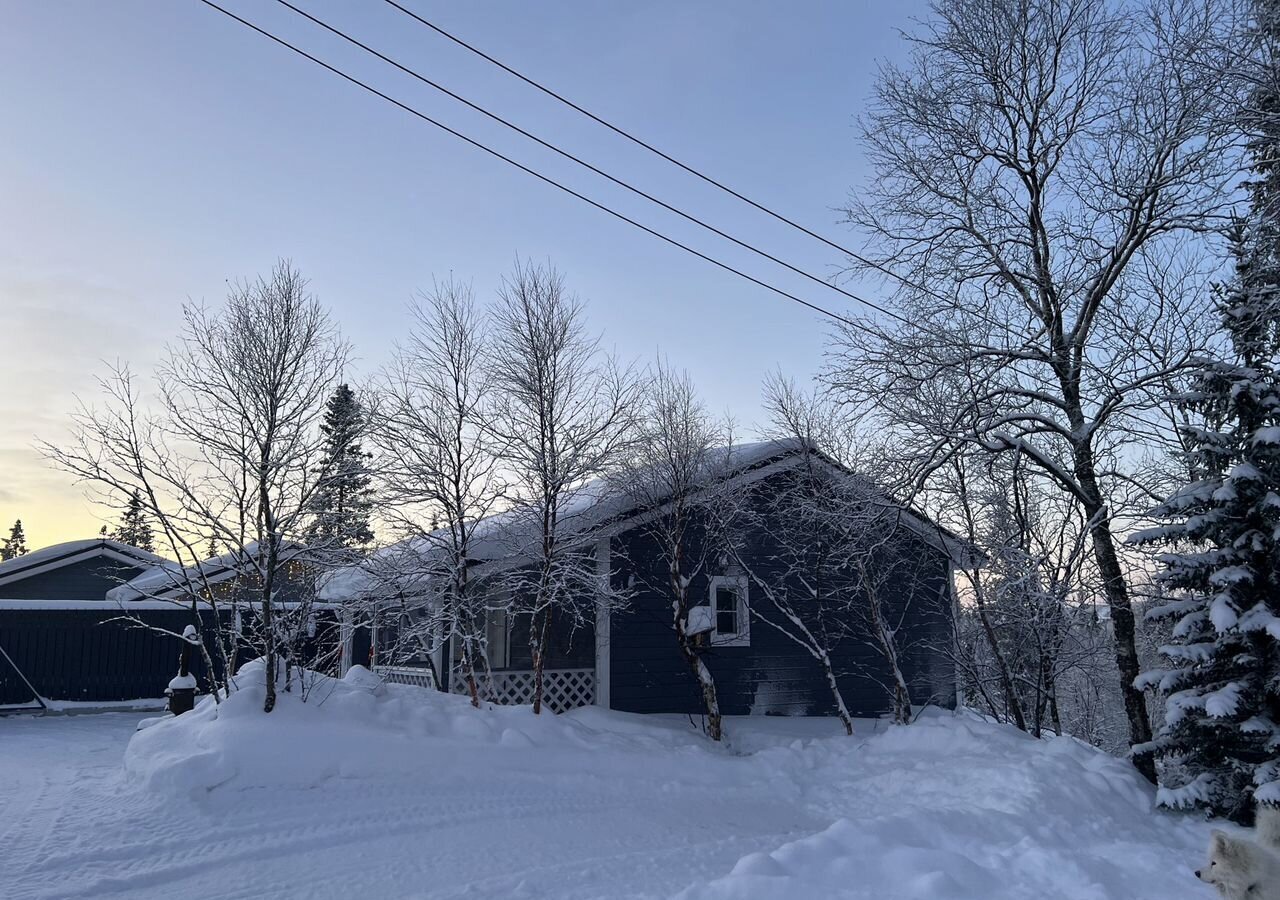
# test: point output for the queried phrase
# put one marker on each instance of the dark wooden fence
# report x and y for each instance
(91, 655)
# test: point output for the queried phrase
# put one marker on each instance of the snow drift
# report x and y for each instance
(957, 808)
(350, 728)
(949, 808)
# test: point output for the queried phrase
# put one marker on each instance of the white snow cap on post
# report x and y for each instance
(189, 635)
(699, 620)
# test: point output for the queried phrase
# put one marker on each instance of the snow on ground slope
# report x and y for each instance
(396, 792)
(954, 808)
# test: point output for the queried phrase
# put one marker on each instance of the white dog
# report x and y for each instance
(1244, 869)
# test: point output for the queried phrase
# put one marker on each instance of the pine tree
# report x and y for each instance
(1222, 690)
(15, 544)
(342, 504)
(135, 527)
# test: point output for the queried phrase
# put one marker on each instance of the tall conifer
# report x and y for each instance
(15, 544)
(135, 526)
(1222, 687)
(344, 502)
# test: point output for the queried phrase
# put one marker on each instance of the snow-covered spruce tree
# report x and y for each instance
(1222, 728)
(135, 527)
(15, 544)
(344, 499)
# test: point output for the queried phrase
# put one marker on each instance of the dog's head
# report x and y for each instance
(1228, 867)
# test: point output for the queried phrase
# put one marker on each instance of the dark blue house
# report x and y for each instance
(628, 659)
(76, 570)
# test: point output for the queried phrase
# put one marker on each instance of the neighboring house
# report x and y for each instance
(61, 639)
(96, 622)
(76, 570)
(231, 583)
(628, 659)
(227, 576)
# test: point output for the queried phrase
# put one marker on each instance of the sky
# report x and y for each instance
(154, 151)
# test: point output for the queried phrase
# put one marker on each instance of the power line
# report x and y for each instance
(477, 144)
(586, 165)
(668, 157)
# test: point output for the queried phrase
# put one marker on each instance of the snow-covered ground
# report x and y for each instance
(407, 793)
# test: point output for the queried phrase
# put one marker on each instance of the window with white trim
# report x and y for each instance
(493, 628)
(731, 611)
(497, 637)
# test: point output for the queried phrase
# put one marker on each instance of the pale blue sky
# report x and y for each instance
(152, 150)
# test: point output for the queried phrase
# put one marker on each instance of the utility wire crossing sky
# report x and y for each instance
(163, 156)
(480, 146)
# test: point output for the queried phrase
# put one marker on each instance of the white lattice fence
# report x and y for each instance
(562, 689)
(417, 677)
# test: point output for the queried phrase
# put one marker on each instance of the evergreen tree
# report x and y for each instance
(342, 504)
(135, 527)
(15, 544)
(1222, 732)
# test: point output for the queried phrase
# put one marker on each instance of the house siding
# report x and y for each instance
(774, 674)
(78, 648)
(568, 647)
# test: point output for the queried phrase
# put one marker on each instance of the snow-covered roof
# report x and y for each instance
(598, 505)
(403, 565)
(169, 578)
(47, 559)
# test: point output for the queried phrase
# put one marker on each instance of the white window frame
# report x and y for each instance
(743, 636)
(497, 625)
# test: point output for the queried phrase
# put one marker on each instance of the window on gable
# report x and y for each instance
(726, 610)
(731, 612)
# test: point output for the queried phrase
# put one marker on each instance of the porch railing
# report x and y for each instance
(562, 689)
(418, 677)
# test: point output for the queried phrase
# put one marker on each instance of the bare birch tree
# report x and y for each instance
(837, 559)
(562, 412)
(232, 451)
(1030, 593)
(439, 468)
(677, 447)
(1044, 170)
(786, 536)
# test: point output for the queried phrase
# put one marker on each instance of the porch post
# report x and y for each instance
(344, 635)
(604, 568)
(442, 656)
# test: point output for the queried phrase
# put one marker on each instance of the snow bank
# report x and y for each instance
(355, 727)
(951, 807)
(955, 808)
